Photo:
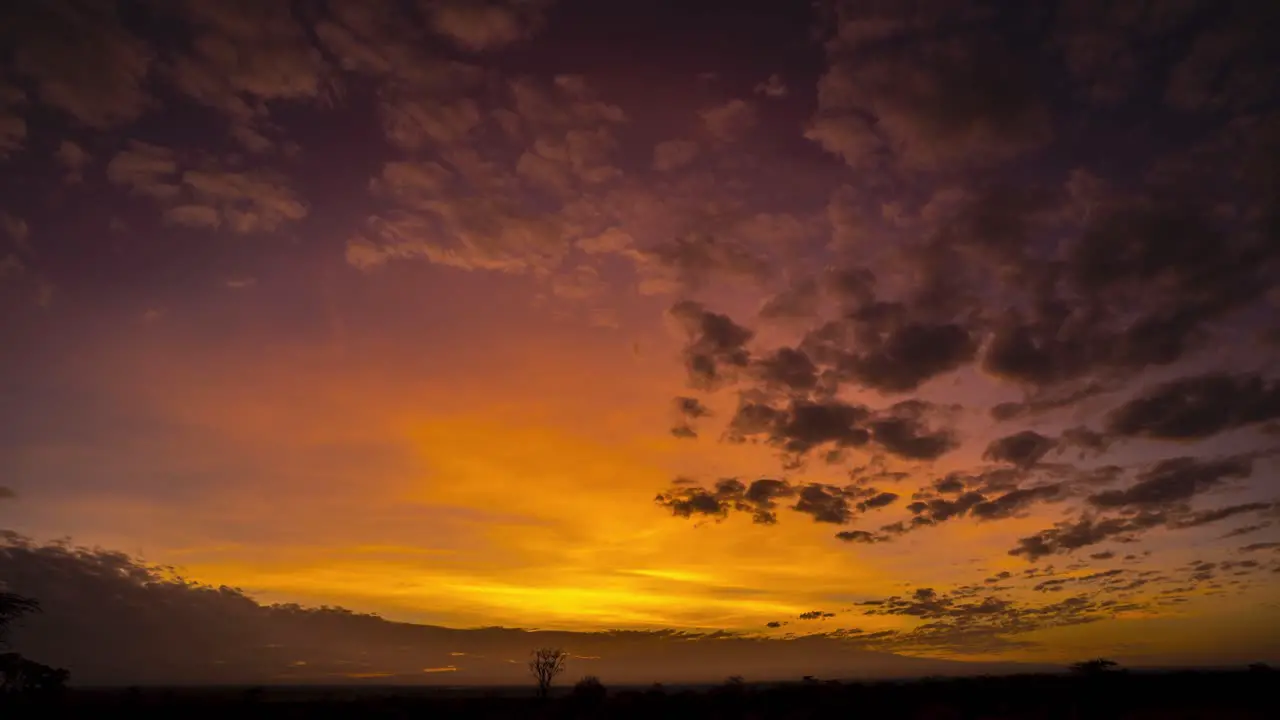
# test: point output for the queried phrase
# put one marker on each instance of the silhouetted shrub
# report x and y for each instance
(589, 690)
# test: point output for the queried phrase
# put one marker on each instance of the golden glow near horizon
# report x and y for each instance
(520, 509)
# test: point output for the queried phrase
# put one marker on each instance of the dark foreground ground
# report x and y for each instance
(1164, 696)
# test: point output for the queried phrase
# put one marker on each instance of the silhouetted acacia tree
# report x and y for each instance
(12, 607)
(546, 664)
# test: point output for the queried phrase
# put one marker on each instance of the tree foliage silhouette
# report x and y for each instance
(546, 664)
(590, 691)
(1097, 666)
(12, 607)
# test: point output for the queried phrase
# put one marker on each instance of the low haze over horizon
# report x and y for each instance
(713, 337)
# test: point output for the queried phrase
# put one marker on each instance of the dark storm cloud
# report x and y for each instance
(1174, 481)
(1197, 407)
(1022, 450)
(716, 346)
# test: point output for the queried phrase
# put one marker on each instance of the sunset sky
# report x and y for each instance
(932, 328)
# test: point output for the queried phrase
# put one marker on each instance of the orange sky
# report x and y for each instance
(399, 325)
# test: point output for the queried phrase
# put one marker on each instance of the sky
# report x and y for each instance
(937, 329)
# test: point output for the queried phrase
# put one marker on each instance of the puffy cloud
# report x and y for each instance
(730, 121)
(481, 25)
(773, 87)
(1197, 407)
(244, 55)
(674, 154)
(81, 60)
(695, 258)
(13, 128)
(242, 201)
(146, 169)
(471, 206)
(74, 159)
(245, 202)
(194, 216)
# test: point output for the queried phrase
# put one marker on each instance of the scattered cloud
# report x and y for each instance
(82, 61)
(1197, 407)
(486, 24)
(773, 87)
(674, 154)
(730, 121)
